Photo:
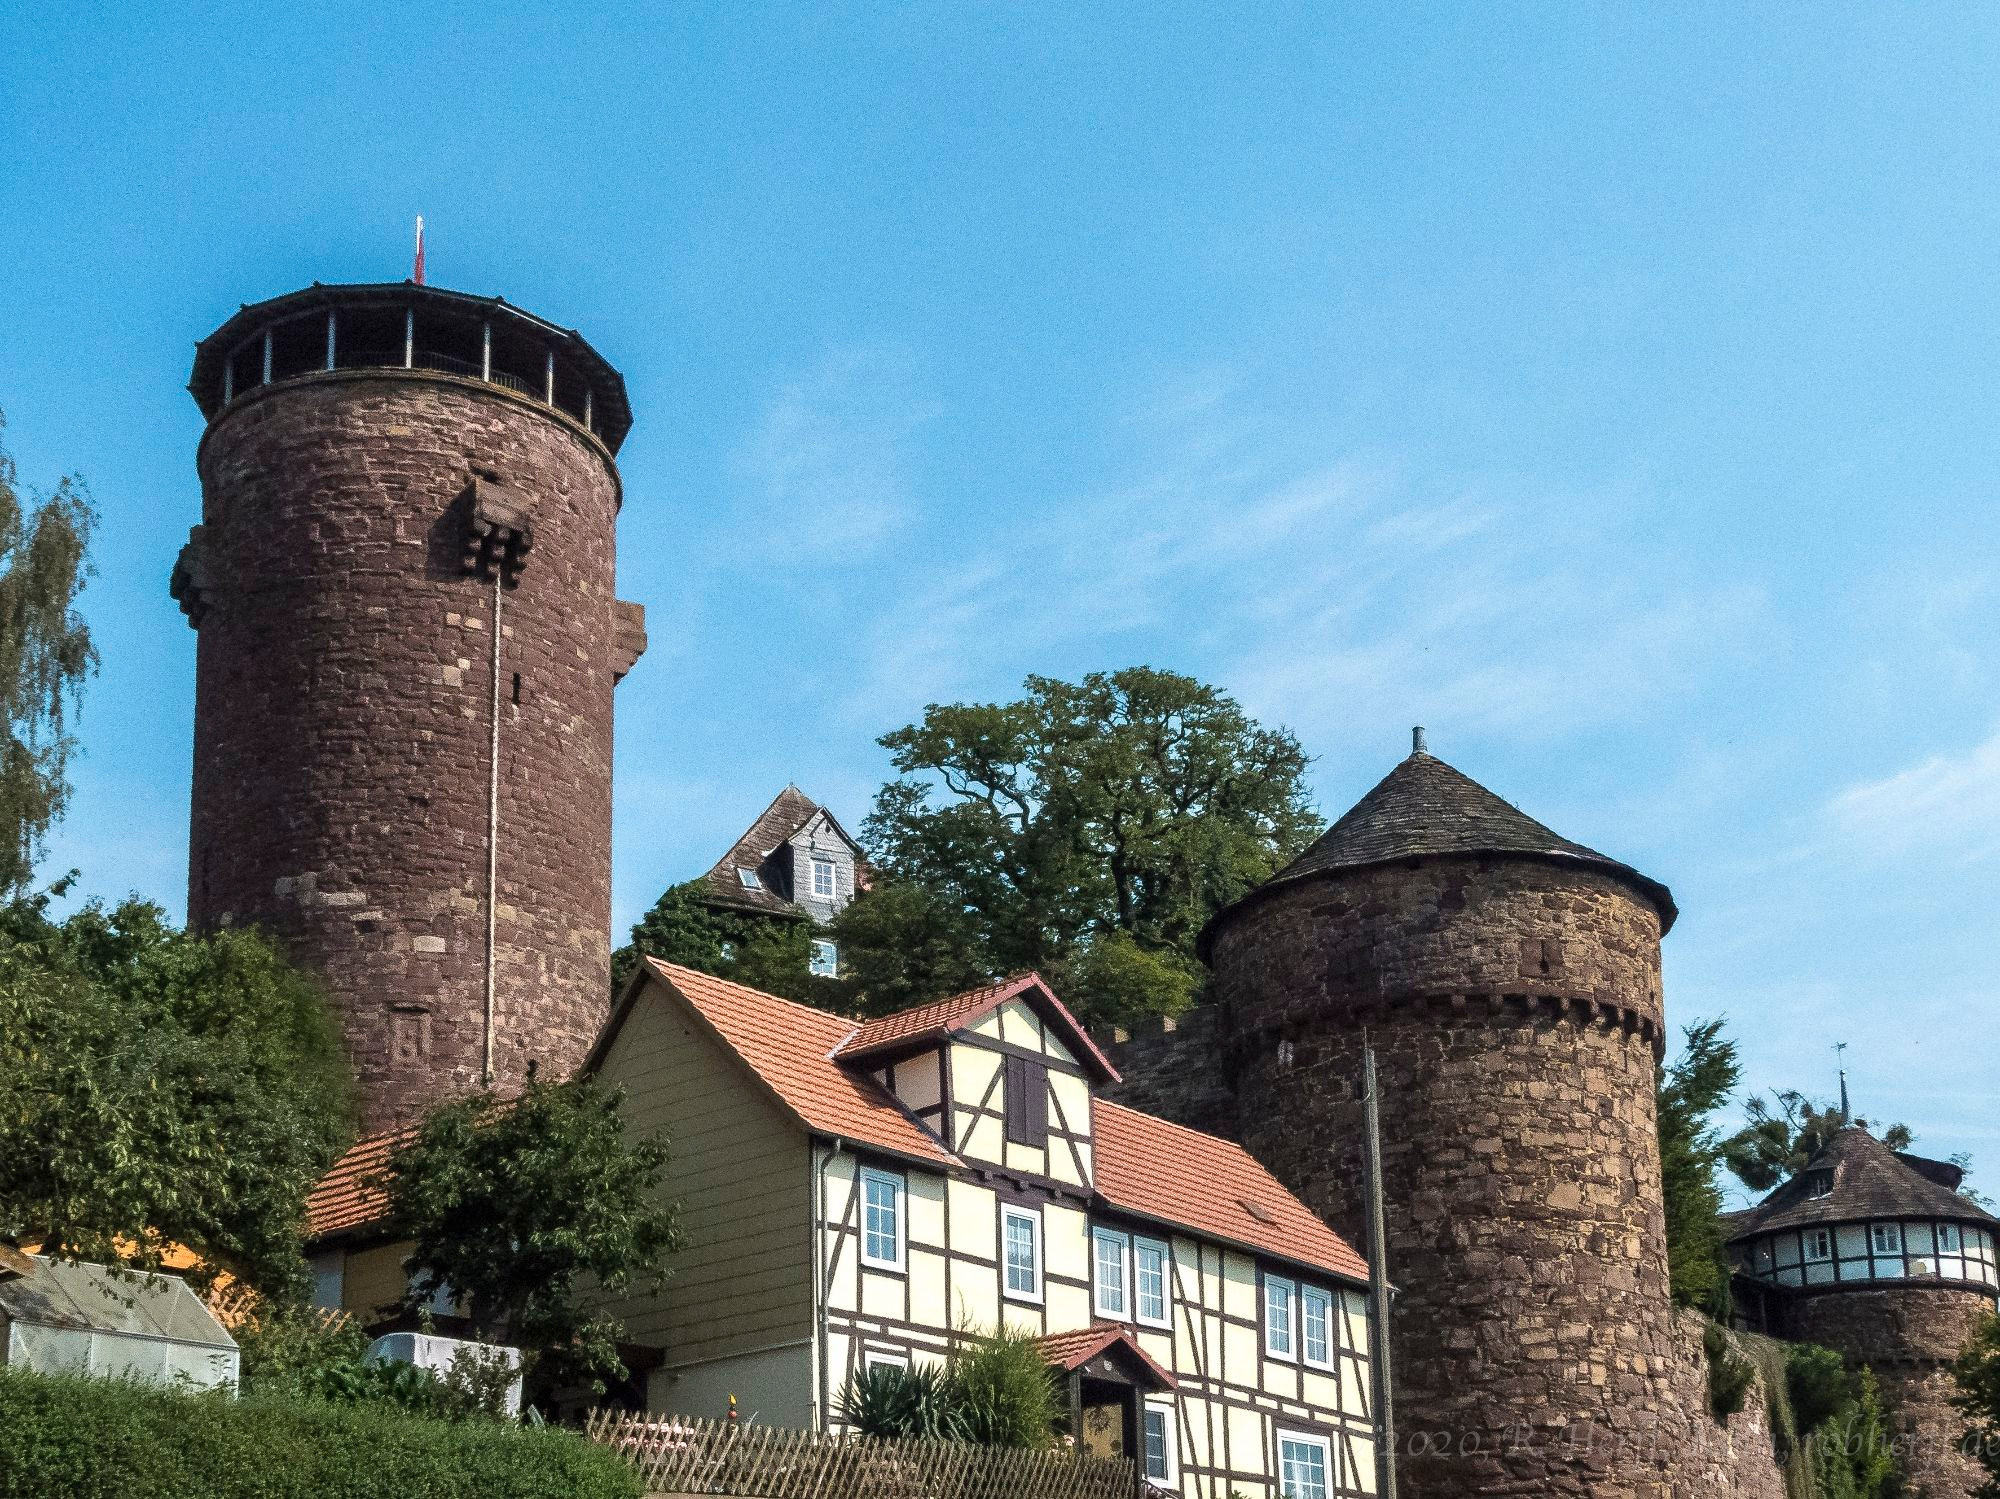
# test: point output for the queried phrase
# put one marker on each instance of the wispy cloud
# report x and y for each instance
(1326, 589)
(824, 476)
(1944, 806)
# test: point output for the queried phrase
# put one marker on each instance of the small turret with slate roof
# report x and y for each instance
(1509, 981)
(1874, 1252)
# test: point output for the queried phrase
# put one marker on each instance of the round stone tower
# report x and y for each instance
(1509, 981)
(402, 586)
(1876, 1254)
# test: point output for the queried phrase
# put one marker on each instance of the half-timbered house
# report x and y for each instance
(864, 1193)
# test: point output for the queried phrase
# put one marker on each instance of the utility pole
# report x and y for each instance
(1378, 1281)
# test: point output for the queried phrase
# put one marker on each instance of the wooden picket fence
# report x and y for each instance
(682, 1455)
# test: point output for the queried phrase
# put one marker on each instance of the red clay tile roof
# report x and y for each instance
(339, 1201)
(1072, 1350)
(1144, 1165)
(790, 1046)
(942, 1017)
(1159, 1170)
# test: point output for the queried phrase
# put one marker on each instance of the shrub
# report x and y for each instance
(1819, 1384)
(997, 1393)
(98, 1439)
(1853, 1452)
(1729, 1376)
(1978, 1399)
(307, 1354)
(1006, 1395)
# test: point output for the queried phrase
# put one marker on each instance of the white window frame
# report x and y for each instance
(832, 951)
(1011, 1214)
(1820, 1239)
(877, 1358)
(1955, 1245)
(1163, 1407)
(1306, 1439)
(1290, 1353)
(1327, 1303)
(832, 878)
(900, 1187)
(1877, 1232)
(1122, 1312)
(1166, 1316)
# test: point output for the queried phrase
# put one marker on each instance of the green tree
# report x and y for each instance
(45, 656)
(1691, 1089)
(531, 1209)
(1779, 1142)
(768, 952)
(1074, 831)
(159, 1087)
(1978, 1400)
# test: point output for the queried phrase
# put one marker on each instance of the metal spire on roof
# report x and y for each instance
(1418, 746)
(1840, 1054)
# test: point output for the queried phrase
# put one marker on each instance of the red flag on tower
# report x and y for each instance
(420, 250)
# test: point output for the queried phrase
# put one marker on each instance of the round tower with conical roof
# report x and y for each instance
(402, 583)
(1509, 982)
(1875, 1253)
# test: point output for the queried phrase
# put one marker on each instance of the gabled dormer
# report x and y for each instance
(1003, 1076)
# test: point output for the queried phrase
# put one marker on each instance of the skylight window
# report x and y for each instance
(749, 878)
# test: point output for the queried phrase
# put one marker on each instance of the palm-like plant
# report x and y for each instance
(886, 1401)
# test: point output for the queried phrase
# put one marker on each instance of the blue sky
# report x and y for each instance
(1609, 388)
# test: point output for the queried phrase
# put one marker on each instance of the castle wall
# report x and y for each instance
(342, 719)
(1173, 1067)
(1514, 1009)
(1910, 1337)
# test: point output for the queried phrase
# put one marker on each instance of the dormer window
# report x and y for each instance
(823, 887)
(1819, 1183)
(749, 879)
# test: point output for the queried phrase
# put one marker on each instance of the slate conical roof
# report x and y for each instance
(1869, 1180)
(1426, 809)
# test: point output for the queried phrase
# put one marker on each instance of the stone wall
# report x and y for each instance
(1910, 1337)
(1173, 1067)
(343, 711)
(1514, 1010)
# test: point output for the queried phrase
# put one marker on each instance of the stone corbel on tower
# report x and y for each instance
(192, 585)
(628, 631)
(499, 534)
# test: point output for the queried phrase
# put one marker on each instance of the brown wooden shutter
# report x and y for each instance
(1037, 1102)
(1016, 1101)
(1027, 1104)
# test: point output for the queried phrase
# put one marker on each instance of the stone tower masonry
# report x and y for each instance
(416, 804)
(1509, 981)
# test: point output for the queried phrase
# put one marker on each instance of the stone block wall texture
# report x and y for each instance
(1173, 1068)
(342, 714)
(1514, 1007)
(1910, 1337)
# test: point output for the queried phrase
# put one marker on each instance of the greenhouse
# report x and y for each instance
(60, 1318)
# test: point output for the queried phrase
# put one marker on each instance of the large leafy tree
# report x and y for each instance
(1088, 830)
(531, 1209)
(162, 1089)
(45, 656)
(1692, 1088)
